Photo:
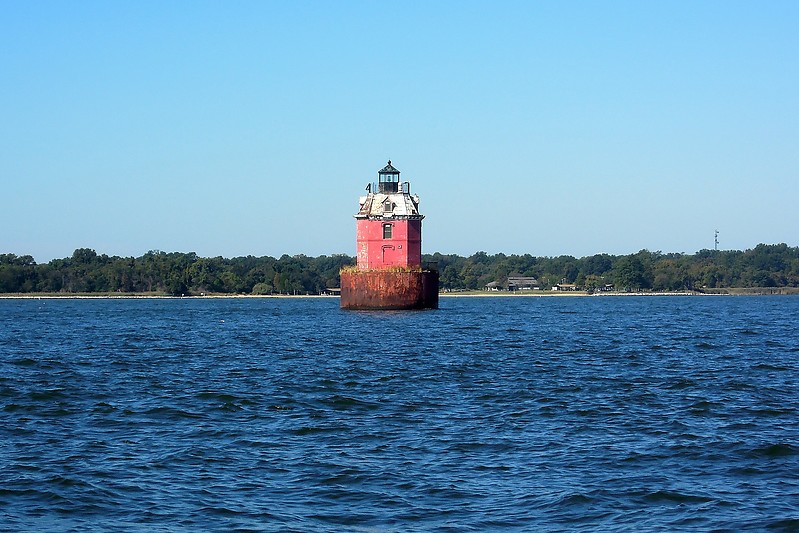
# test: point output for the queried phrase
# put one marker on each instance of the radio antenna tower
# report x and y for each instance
(716, 241)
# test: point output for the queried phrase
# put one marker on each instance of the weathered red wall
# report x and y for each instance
(384, 289)
(403, 249)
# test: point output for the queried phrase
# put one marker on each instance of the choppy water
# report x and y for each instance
(647, 413)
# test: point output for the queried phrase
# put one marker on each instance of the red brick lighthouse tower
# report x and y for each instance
(389, 274)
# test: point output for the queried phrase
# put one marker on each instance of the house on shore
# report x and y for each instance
(493, 286)
(522, 283)
(565, 287)
(514, 283)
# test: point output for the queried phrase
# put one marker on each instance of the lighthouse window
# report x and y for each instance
(386, 231)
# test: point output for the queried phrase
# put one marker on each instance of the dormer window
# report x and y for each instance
(388, 206)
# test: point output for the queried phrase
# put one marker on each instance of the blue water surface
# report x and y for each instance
(514, 413)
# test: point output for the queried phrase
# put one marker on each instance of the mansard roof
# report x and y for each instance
(396, 205)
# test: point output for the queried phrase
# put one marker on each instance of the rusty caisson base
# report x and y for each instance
(385, 289)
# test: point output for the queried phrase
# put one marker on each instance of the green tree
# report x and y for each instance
(262, 288)
(630, 273)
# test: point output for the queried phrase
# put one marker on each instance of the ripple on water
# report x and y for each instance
(528, 414)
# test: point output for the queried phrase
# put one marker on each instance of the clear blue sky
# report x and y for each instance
(251, 128)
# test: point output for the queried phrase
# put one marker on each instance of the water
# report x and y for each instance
(650, 413)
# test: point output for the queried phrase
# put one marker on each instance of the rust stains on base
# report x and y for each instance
(384, 289)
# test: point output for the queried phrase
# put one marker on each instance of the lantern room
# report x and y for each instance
(388, 179)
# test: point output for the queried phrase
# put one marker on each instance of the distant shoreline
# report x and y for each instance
(762, 291)
(151, 296)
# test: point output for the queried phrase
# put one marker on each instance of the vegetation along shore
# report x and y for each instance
(764, 269)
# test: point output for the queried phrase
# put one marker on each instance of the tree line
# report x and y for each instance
(176, 273)
(172, 273)
(763, 266)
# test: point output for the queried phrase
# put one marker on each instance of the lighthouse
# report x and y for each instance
(389, 272)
